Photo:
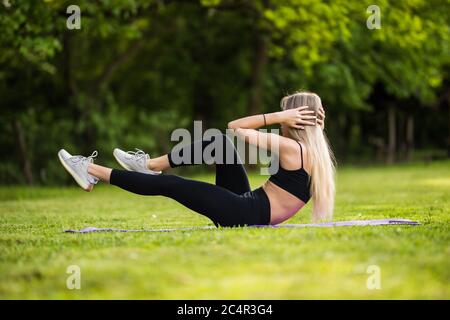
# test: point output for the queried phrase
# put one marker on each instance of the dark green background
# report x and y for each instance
(136, 70)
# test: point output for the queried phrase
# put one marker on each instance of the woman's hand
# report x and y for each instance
(321, 118)
(298, 117)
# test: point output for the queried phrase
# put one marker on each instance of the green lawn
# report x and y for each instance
(230, 263)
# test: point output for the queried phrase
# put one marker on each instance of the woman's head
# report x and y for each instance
(319, 152)
(296, 100)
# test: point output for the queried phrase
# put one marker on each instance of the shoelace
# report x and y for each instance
(90, 159)
(138, 154)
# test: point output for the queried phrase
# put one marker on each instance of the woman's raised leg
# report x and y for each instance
(222, 206)
(100, 172)
(230, 172)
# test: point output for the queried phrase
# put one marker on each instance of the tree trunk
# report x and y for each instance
(23, 151)
(409, 136)
(258, 65)
(203, 104)
(390, 158)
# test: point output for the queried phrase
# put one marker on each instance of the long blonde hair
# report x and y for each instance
(320, 154)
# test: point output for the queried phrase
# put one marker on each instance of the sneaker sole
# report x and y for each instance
(82, 184)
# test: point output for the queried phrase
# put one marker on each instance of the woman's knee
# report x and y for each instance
(223, 150)
(224, 138)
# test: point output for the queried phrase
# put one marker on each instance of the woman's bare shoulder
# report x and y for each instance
(290, 157)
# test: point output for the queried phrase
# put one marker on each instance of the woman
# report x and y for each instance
(306, 170)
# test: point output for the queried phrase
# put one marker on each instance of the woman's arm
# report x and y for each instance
(255, 122)
(245, 127)
(293, 117)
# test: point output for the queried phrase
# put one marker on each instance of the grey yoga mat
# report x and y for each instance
(382, 222)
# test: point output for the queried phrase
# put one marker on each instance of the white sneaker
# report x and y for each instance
(77, 166)
(134, 160)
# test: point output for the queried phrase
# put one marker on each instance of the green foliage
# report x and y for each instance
(151, 66)
(330, 42)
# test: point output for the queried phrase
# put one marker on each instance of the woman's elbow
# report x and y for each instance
(232, 125)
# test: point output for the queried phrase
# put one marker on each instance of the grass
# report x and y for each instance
(230, 263)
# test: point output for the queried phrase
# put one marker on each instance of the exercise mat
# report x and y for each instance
(351, 223)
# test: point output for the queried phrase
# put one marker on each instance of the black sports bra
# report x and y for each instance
(296, 182)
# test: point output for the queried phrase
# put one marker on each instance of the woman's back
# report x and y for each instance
(289, 188)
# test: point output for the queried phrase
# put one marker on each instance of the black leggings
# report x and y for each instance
(228, 203)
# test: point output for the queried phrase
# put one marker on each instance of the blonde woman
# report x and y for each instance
(306, 169)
